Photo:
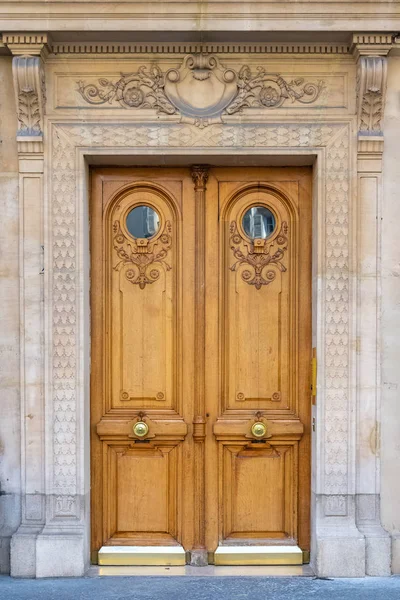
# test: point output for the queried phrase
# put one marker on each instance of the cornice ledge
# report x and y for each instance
(372, 44)
(27, 44)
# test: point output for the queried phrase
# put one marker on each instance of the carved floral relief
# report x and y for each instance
(201, 90)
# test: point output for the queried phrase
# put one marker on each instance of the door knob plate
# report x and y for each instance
(140, 429)
(258, 429)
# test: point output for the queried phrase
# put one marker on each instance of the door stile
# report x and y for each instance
(199, 552)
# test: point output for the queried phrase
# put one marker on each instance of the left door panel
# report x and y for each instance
(142, 326)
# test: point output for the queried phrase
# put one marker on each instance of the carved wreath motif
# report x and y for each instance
(182, 91)
(144, 256)
(258, 256)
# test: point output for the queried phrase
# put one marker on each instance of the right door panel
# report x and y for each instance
(259, 284)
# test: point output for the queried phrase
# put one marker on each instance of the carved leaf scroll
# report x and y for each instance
(143, 89)
(371, 112)
(371, 91)
(258, 256)
(271, 90)
(201, 90)
(142, 257)
(29, 111)
(29, 86)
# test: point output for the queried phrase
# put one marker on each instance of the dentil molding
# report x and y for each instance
(163, 48)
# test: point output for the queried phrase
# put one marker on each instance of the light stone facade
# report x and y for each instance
(66, 105)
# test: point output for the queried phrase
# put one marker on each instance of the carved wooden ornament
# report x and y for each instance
(259, 255)
(142, 255)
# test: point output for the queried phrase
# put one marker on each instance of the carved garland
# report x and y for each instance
(259, 257)
(142, 254)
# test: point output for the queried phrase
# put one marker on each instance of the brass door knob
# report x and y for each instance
(258, 429)
(140, 429)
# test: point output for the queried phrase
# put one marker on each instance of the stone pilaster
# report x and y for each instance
(29, 87)
(370, 51)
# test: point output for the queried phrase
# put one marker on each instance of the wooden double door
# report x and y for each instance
(200, 362)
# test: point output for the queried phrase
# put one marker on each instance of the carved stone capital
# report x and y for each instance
(371, 50)
(29, 50)
(29, 88)
(371, 92)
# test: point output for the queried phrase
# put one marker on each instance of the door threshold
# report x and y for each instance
(208, 571)
(141, 556)
(258, 555)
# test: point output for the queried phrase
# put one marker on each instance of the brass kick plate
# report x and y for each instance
(140, 556)
(258, 555)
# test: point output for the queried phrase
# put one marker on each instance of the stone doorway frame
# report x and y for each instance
(53, 539)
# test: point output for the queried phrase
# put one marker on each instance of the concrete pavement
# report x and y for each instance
(199, 588)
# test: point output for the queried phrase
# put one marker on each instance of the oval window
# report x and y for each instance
(142, 222)
(258, 222)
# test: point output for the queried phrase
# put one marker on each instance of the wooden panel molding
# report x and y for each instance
(259, 492)
(141, 495)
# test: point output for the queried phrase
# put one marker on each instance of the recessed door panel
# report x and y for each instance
(259, 482)
(258, 301)
(142, 307)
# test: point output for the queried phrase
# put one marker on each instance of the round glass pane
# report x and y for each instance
(258, 222)
(142, 222)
